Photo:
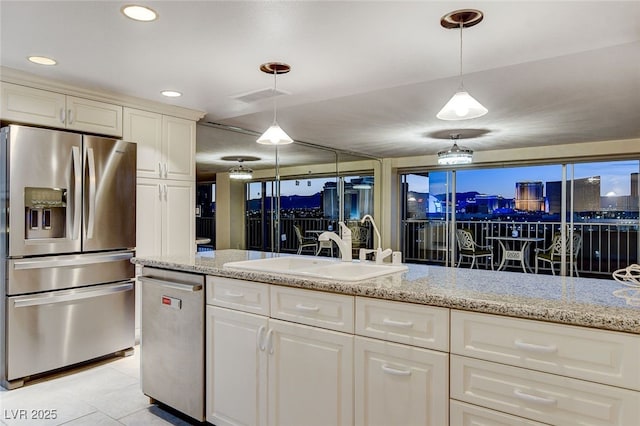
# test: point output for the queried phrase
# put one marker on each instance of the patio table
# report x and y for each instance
(515, 249)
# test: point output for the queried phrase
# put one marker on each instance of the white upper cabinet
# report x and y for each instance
(166, 145)
(145, 129)
(27, 105)
(91, 116)
(179, 147)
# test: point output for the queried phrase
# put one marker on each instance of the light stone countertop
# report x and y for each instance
(585, 302)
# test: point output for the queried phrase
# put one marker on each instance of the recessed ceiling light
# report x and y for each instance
(139, 13)
(42, 60)
(171, 93)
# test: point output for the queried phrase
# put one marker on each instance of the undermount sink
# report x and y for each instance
(304, 266)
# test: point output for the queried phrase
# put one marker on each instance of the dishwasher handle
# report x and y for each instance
(171, 284)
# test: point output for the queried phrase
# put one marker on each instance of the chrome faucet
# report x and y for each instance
(344, 243)
(380, 254)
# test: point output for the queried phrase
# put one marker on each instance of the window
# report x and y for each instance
(594, 204)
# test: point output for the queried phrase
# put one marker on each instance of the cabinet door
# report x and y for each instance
(400, 384)
(178, 219)
(236, 368)
(149, 199)
(145, 128)
(310, 376)
(179, 146)
(22, 104)
(96, 117)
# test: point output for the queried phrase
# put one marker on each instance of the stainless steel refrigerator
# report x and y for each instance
(67, 234)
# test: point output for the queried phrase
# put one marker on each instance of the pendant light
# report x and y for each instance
(274, 135)
(462, 106)
(455, 154)
(240, 172)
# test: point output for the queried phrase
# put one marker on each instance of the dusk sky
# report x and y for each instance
(614, 176)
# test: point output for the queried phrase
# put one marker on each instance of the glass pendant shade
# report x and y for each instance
(455, 155)
(274, 136)
(462, 106)
(240, 173)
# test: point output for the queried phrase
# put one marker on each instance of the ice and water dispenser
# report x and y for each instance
(45, 210)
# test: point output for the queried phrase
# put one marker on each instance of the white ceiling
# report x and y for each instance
(367, 77)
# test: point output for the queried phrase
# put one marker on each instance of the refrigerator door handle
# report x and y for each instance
(171, 284)
(47, 299)
(91, 163)
(84, 260)
(77, 192)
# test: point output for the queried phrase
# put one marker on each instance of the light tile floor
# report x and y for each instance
(103, 393)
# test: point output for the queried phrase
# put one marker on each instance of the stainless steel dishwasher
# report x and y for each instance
(172, 339)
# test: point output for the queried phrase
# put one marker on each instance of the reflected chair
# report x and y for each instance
(359, 238)
(467, 247)
(325, 245)
(553, 253)
(304, 241)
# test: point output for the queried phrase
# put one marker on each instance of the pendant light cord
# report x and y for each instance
(461, 83)
(275, 88)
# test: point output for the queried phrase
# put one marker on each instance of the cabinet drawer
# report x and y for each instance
(326, 310)
(541, 396)
(597, 355)
(470, 415)
(417, 325)
(238, 294)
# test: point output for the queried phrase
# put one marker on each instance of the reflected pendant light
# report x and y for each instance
(455, 154)
(274, 135)
(462, 106)
(240, 172)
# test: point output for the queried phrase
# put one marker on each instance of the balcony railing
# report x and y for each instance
(605, 246)
(259, 237)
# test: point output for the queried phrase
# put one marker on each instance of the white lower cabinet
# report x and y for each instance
(544, 397)
(463, 414)
(310, 375)
(551, 373)
(164, 216)
(236, 365)
(263, 371)
(398, 384)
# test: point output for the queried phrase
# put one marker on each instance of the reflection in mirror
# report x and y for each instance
(297, 192)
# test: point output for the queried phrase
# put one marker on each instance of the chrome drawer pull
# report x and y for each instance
(305, 308)
(392, 323)
(234, 295)
(531, 347)
(534, 399)
(395, 371)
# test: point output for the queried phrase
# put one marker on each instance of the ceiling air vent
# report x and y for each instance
(258, 95)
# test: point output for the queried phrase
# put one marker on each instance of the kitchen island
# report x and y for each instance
(566, 300)
(432, 345)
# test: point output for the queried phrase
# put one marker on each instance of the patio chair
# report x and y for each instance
(304, 241)
(553, 253)
(467, 247)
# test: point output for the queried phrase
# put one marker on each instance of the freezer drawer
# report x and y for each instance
(51, 330)
(31, 275)
(172, 339)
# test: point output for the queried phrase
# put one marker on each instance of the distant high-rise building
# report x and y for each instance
(634, 184)
(530, 196)
(586, 195)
